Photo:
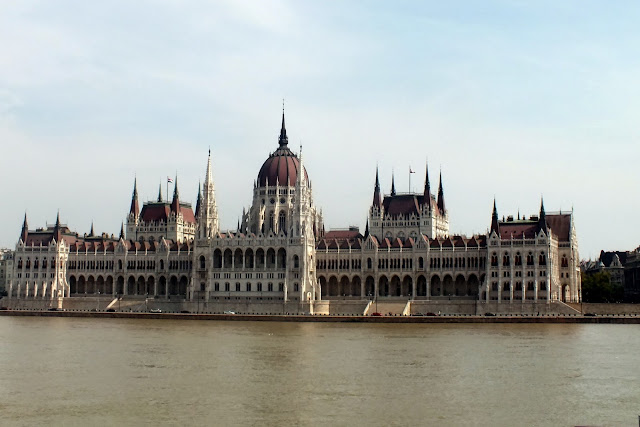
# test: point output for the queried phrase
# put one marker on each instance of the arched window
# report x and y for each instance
(565, 261)
(542, 259)
(505, 260)
(530, 259)
(518, 259)
(296, 261)
(202, 262)
(369, 263)
(421, 262)
(282, 222)
(19, 262)
(494, 260)
(271, 224)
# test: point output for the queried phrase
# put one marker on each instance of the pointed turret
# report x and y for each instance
(495, 225)
(366, 229)
(283, 141)
(135, 209)
(427, 189)
(393, 185)
(175, 203)
(441, 195)
(91, 231)
(122, 231)
(376, 191)
(160, 193)
(542, 220)
(57, 230)
(208, 212)
(198, 201)
(25, 229)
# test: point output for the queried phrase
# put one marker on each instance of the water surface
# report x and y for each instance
(68, 371)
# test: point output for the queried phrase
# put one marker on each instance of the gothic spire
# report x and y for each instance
(160, 192)
(366, 229)
(376, 191)
(542, 221)
(175, 203)
(199, 201)
(134, 209)
(427, 189)
(57, 231)
(25, 229)
(393, 185)
(91, 231)
(495, 226)
(441, 195)
(122, 230)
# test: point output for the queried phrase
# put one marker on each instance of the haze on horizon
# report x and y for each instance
(508, 98)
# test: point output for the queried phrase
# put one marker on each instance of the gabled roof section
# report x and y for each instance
(560, 224)
(402, 204)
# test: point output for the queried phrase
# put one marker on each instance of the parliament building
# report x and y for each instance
(280, 253)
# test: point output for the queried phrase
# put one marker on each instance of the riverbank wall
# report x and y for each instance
(607, 319)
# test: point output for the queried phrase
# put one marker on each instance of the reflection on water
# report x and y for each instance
(130, 371)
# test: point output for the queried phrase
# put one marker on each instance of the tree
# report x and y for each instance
(597, 287)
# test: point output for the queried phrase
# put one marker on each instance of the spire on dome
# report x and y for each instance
(495, 225)
(175, 203)
(441, 195)
(25, 229)
(427, 189)
(160, 193)
(283, 140)
(134, 209)
(393, 184)
(376, 191)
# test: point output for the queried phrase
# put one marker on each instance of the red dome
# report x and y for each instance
(281, 167)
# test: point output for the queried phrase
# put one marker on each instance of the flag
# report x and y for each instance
(169, 180)
(411, 170)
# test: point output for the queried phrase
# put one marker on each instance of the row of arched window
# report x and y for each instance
(28, 265)
(506, 259)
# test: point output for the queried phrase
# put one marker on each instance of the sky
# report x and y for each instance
(510, 99)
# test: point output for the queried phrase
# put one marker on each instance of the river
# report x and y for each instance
(68, 371)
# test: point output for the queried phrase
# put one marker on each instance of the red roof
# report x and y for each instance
(281, 167)
(560, 224)
(342, 234)
(518, 229)
(160, 211)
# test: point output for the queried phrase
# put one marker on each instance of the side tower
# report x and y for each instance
(402, 215)
(207, 210)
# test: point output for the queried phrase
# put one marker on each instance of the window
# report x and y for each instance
(202, 262)
(280, 287)
(259, 287)
(542, 259)
(248, 286)
(227, 287)
(216, 287)
(270, 287)
(296, 287)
